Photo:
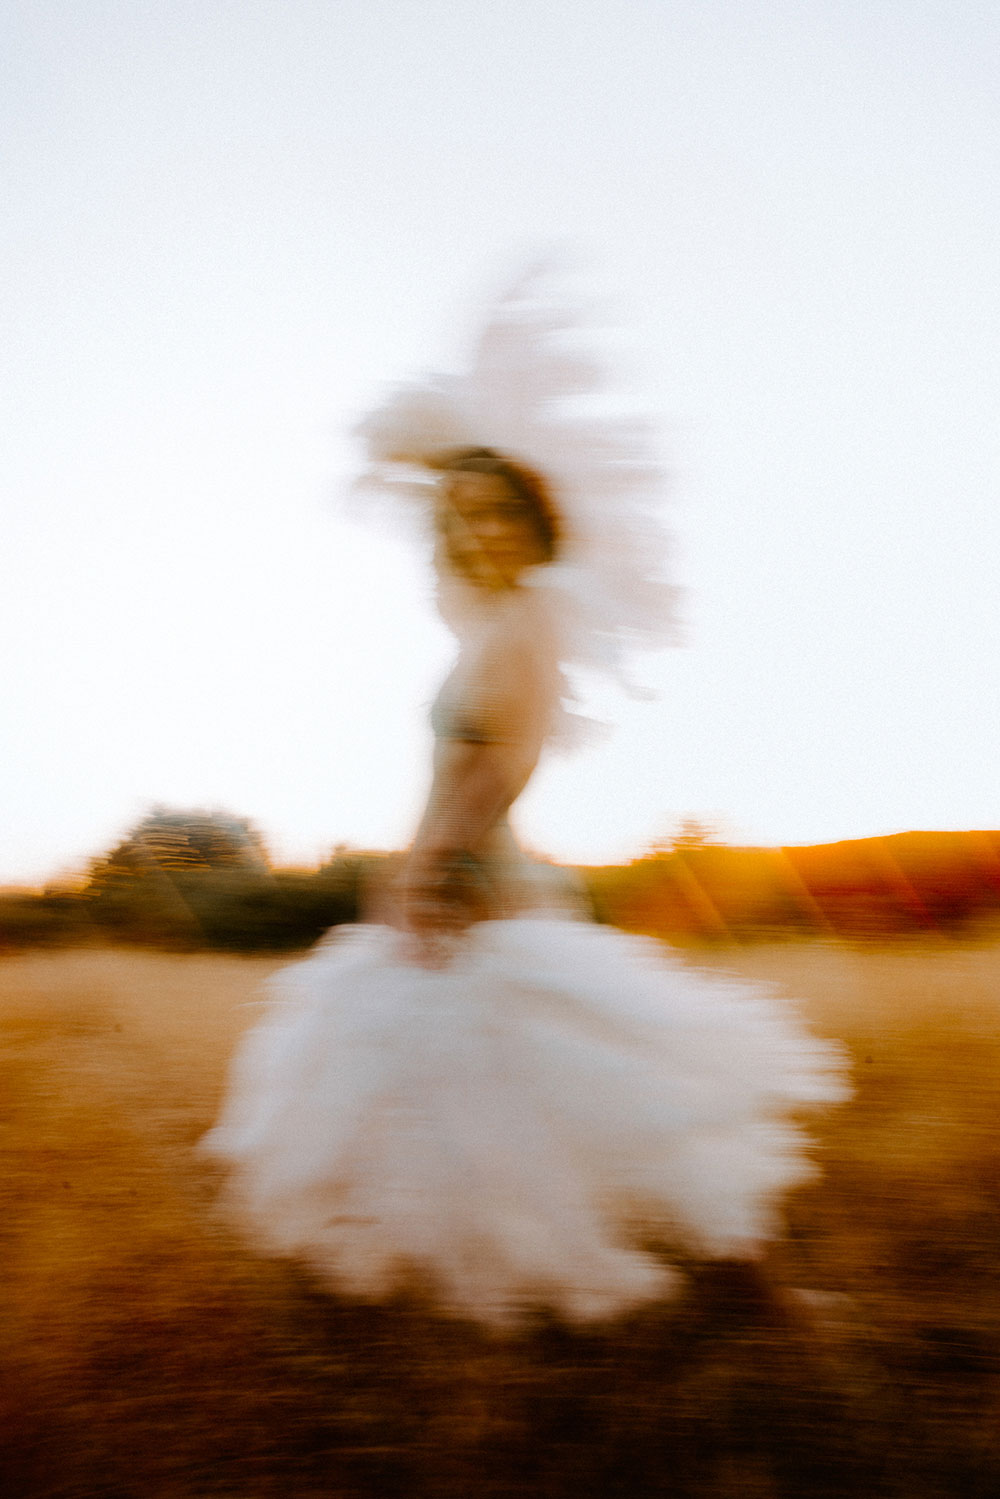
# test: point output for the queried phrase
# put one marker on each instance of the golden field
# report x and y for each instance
(149, 1355)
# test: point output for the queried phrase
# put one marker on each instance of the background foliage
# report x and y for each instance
(203, 880)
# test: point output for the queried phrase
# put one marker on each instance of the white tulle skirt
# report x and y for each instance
(522, 1126)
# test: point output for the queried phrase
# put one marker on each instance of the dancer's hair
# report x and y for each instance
(527, 487)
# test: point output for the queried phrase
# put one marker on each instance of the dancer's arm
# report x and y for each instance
(480, 768)
(475, 783)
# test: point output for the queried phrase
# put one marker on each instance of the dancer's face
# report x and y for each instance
(491, 534)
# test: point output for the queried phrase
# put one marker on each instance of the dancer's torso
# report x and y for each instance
(504, 690)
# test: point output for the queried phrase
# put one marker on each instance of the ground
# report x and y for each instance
(150, 1355)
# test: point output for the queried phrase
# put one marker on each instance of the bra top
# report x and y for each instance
(451, 721)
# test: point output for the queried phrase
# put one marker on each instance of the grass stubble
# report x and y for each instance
(148, 1354)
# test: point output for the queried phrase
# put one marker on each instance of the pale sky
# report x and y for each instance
(228, 224)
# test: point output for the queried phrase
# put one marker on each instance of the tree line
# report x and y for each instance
(203, 880)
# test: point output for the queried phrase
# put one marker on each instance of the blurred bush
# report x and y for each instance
(193, 880)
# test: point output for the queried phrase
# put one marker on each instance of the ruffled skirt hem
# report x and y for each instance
(519, 1126)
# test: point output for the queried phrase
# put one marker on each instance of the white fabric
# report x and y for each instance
(532, 394)
(515, 1126)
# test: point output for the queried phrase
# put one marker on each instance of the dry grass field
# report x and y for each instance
(148, 1355)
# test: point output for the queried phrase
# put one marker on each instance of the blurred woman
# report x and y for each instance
(481, 1092)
